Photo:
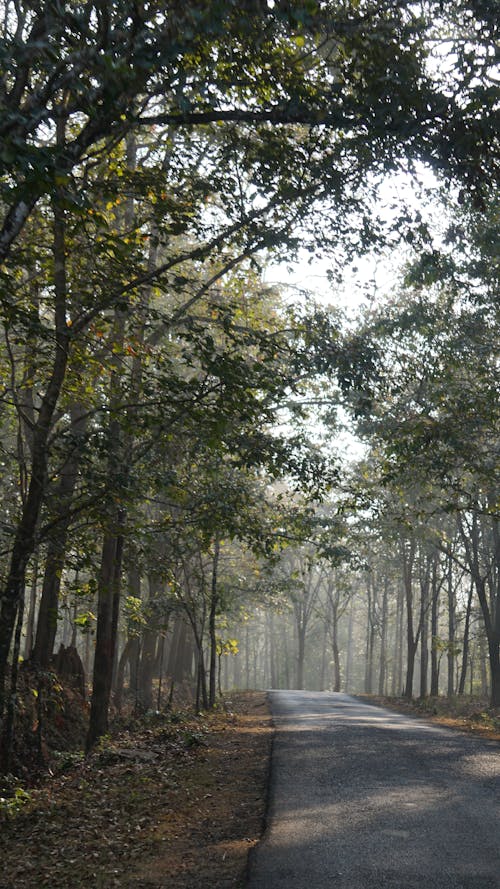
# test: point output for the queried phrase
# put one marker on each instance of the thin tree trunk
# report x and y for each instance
(301, 650)
(201, 678)
(176, 657)
(147, 664)
(272, 653)
(286, 657)
(425, 580)
(324, 656)
(370, 640)
(408, 556)
(56, 551)
(465, 650)
(247, 660)
(434, 630)
(494, 640)
(335, 651)
(8, 728)
(397, 675)
(125, 658)
(214, 604)
(483, 658)
(349, 653)
(451, 628)
(163, 640)
(383, 639)
(237, 665)
(255, 661)
(30, 623)
(105, 642)
(146, 669)
(87, 654)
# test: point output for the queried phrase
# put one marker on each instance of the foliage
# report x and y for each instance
(12, 805)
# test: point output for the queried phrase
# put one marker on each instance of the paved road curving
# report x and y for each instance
(363, 798)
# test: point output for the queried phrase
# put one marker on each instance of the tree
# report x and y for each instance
(108, 71)
(229, 163)
(435, 414)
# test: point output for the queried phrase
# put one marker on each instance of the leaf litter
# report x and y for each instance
(173, 800)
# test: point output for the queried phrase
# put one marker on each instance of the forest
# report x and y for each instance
(212, 480)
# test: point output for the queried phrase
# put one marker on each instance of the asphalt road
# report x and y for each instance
(363, 798)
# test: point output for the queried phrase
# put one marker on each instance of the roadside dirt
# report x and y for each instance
(176, 803)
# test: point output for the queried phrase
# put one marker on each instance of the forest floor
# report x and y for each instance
(176, 801)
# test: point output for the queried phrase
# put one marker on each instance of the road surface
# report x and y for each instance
(363, 798)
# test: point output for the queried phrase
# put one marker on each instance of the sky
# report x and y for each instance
(373, 276)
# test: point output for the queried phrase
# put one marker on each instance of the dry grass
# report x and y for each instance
(468, 714)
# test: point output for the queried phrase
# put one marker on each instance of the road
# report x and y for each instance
(364, 798)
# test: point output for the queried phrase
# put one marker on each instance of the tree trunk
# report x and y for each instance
(7, 738)
(370, 634)
(201, 679)
(247, 660)
(494, 640)
(176, 657)
(265, 660)
(465, 651)
(483, 659)
(135, 663)
(324, 655)
(148, 665)
(30, 623)
(214, 604)
(144, 697)
(408, 556)
(286, 659)
(451, 628)
(410, 670)
(425, 580)
(162, 641)
(272, 651)
(434, 630)
(383, 640)
(125, 658)
(494, 654)
(132, 649)
(335, 651)
(237, 666)
(301, 651)
(107, 620)
(397, 671)
(349, 653)
(56, 552)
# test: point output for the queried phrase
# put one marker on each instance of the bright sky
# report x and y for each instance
(372, 276)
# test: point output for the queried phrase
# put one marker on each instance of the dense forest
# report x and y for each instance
(182, 507)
